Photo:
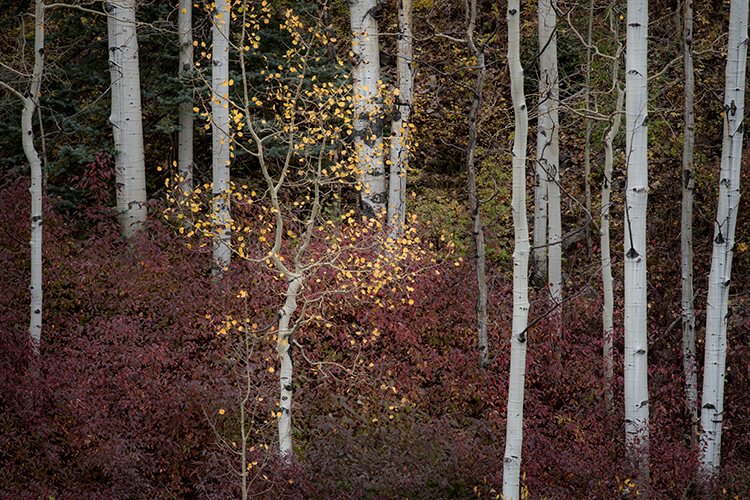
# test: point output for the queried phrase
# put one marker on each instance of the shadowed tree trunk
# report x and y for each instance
(30, 103)
(185, 139)
(477, 229)
(127, 126)
(717, 304)
(401, 121)
(688, 189)
(607, 287)
(548, 148)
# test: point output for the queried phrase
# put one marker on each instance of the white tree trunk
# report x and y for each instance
(636, 197)
(607, 288)
(368, 120)
(589, 123)
(514, 434)
(185, 139)
(401, 122)
(29, 105)
(688, 189)
(284, 350)
(541, 194)
(221, 138)
(548, 144)
(712, 407)
(127, 127)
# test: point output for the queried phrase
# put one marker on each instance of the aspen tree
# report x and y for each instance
(589, 121)
(127, 126)
(401, 121)
(368, 120)
(712, 406)
(220, 135)
(608, 330)
(613, 120)
(688, 190)
(308, 121)
(30, 102)
(636, 197)
(514, 434)
(548, 146)
(185, 138)
(477, 228)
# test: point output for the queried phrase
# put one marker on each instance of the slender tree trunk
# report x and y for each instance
(548, 145)
(589, 123)
(127, 127)
(284, 350)
(688, 189)
(712, 407)
(514, 434)
(221, 138)
(609, 299)
(636, 197)
(185, 139)
(401, 122)
(328, 19)
(30, 103)
(541, 197)
(368, 120)
(477, 229)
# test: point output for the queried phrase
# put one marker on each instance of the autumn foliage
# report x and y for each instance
(144, 357)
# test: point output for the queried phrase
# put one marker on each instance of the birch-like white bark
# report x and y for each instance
(636, 198)
(688, 190)
(712, 406)
(220, 135)
(608, 330)
(30, 103)
(589, 122)
(368, 120)
(401, 121)
(541, 197)
(284, 350)
(548, 144)
(127, 126)
(185, 138)
(514, 434)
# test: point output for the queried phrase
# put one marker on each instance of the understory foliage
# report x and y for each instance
(144, 359)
